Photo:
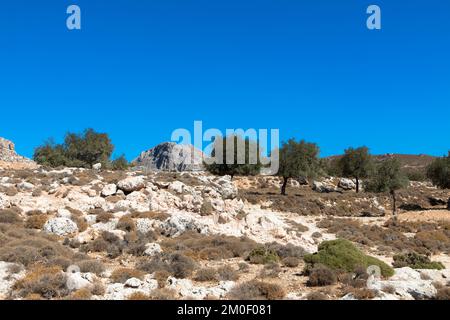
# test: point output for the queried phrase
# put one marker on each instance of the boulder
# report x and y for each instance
(97, 166)
(323, 187)
(109, 190)
(25, 186)
(226, 187)
(60, 226)
(152, 249)
(346, 184)
(178, 224)
(133, 283)
(4, 201)
(131, 184)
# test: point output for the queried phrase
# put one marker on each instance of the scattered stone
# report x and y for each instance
(60, 226)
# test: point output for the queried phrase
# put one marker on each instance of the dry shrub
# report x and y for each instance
(443, 294)
(80, 221)
(126, 223)
(362, 293)
(36, 221)
(206, 274)
(286, 251)
(153, 215)
(104, 217)
(161, 276)
(47, 282)
(93, 266)
(227, 273)
(320, 276)
(138, 296)
(257, 290)
(270, 270)
(81, 294)
(163, 294)
(10, 216)
(209, 247)
(176, 264)
(121, 275)
(316, 295)
(243, 267)
(207, 208)
(291, 262)
(26, 246)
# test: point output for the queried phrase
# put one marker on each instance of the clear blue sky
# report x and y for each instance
(139, 69)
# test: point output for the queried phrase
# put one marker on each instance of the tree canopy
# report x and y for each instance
(298, 159)
(243, 156)
(356, 163)
(439, 172)
(79, 150)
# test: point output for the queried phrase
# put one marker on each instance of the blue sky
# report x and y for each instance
(139, 69)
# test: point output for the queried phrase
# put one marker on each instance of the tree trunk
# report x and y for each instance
(394, 207)
(357, 185)
(448, 204)
(283, 187)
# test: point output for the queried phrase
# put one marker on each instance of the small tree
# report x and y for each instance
(247, 163)
(78, 150)
(388, 177)
(120, 163)
(356, 163)
(298, 159)
(439, 173)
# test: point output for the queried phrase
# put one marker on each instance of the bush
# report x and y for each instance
(104, 217)
(120, 163)
(342, 255)
(93, 266)
(443, 294)
(257, 290)
(227, 273)
(321, 275)
(316, 296)
(9, 216)
(36, 222)
(176, 264)
(416, 261)
(46, 282)
(291, 262)
(126, 223)
(121, 275)
(439, 172)
(262, 255)
(78, 150)
(206, 274)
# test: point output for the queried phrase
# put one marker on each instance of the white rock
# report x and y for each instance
(77, 280)
(4, 201)
(178, 224)
(152, 249)
(60, 226)
(133, 283)
(177, 186)
(25, 186)
(144, 225)
(7, 279)
(346, 184)
(323, 187)
(226, 187)
(109, 190)
(63, 213)
(131, 184)
(97, 166)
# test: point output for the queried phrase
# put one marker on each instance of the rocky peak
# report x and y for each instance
(8, 153)
(169, 156)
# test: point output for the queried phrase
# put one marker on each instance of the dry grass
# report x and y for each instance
(36, 221)
(121, 275)
(257, 290)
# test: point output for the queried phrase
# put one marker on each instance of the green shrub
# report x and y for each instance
(262, 255)
(342, 255)
(416, 261)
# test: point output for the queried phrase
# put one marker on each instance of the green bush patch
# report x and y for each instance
(416, 261)
(342, 255)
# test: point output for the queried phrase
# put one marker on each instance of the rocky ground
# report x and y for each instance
(93, 234)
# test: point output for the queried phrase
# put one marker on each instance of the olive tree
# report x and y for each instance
(388, 177)
(298, 159)
(356, 164)
(233, 156)
(439, 173)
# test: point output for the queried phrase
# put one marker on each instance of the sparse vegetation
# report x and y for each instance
(257, 290)
(356, 163)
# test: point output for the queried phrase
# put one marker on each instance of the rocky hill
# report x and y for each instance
(9, 158)
(170, 156)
